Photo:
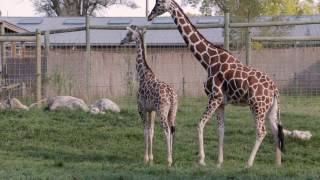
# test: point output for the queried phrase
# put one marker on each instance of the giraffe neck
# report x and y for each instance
(144, 72)
(193, 38)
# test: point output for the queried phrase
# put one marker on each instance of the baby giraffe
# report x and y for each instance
(154, 97)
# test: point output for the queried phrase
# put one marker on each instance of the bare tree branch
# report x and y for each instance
(76, 7)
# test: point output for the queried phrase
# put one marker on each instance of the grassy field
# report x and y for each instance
(75, 145)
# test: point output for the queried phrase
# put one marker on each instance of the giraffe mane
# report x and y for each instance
(192, 25)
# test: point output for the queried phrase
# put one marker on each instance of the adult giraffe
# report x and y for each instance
(229, 81)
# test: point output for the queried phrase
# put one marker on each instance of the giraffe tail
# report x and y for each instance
(173, 130)
(281, 138)
(280, 128)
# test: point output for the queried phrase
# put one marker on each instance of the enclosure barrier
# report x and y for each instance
(37, 39)
(31, 36)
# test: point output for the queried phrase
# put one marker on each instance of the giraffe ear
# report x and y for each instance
(129, 28)
(144, 30)
(134, 27)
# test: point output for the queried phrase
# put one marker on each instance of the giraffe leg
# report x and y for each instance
(273, 119)
(144, 117)
(167, 135)
(214, 103)
(172, 119)
(151, 133)
(163, 115)
(146, 137)
(220, 121)
(260, 134)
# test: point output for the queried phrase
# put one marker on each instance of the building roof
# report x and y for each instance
(111, 37)
(11, 28)
(153, 37)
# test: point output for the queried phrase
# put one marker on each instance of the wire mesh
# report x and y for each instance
(108, 71)
(18, 70)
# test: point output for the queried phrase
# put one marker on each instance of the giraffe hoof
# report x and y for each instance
(150, 162)
(150, 157)
(202, 163)
(248, 166)
(146, 160)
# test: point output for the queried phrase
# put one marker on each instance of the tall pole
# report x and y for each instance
(88, 52)
(226, 26)
(46, 56)
(147, 7)
(38, 66)
(248, 46)
(3, 54)
(144, 36)
(226, 30)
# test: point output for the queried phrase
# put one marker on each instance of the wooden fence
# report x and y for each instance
(35, 37)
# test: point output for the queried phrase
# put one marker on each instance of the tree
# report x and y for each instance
(76, 7)
(246, 10)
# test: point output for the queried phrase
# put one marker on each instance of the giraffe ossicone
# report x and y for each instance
(154, 98)
(228, 81)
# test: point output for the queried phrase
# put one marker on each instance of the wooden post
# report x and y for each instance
(38, 65)
(226, 30)
(183, 87)
(248, 47)
(3, 55)
(145, 45)
(147, 7)
(46, 56)
(23, 49)
(88, 53)
(13, 49)
(23, 90)
(46, 44)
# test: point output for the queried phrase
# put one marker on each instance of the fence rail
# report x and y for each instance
(286, 38)
(91, 54)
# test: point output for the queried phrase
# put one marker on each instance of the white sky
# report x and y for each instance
(25, 8)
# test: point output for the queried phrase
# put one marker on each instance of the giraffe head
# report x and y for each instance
(160, 7)
(134, 34)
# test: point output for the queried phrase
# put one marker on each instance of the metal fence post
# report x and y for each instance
(38, 66)
(248, 47)
(226, 30)
(88, 53)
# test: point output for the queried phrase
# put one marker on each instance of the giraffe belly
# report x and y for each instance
(236, 99)
(149, 104)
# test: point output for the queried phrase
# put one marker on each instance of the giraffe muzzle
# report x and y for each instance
(151, 16)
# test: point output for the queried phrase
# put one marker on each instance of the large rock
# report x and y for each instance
(68, 102)
(102, 105)
(303, 135)
(13, 103)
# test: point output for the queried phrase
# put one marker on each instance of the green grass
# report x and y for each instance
(75, 145)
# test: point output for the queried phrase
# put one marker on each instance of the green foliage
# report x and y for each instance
(247, 10)
(75, 145)
(257, 46)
